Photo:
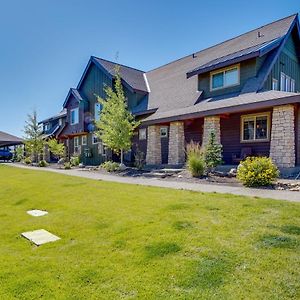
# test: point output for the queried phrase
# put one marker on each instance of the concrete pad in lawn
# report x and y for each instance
(39, 237)
(37, 212)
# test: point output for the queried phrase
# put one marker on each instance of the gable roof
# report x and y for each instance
(61, 114)
(7, 139)
(75, 93)
(170, 88)
(132, 78)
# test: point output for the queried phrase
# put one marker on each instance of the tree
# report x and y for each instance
(116, 124)
(56, 148)
(33, 136)
(212, 153)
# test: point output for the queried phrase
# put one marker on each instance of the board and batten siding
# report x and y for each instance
(287, 62)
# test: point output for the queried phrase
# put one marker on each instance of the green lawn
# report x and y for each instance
(131, 242)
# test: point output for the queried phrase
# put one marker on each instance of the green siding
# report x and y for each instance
(247, 70)
(287, 62)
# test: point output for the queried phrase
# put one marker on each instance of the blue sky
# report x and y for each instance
(46, 44)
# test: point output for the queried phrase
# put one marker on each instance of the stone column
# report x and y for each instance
(153, 156)
(282, 147)
(176, 144)
(211, 124)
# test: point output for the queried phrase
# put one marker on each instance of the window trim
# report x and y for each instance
(293, 85)
(93, 139)
(164, 136)
(274, 80)
(223, 70)
(84, 143)
(78, 144)
(144, 138)
(75, 109)
(255, 115)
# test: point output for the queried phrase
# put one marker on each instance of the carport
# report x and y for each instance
(7, 140)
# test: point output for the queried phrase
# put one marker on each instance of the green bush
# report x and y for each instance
(110, 166)
(74, 160)
(43, 163)
(257, 171)
(195, 159)
(67, 166)
(28, 161)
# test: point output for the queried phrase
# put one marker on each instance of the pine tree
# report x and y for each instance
(116, 124)
(212, 153)
(33, 136)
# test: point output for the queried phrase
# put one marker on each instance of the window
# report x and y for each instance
(255, 127)
(95, 139)
(101, 149)
(224, 78)
(76, 145)
(97, 111)
(287, 84)
(84, 140)
(274, 84)
(46, 126)
(60, 122)
(142, 134)
(74, 116)
(163, 132)
(293, 85)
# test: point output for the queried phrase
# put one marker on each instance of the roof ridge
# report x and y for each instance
(116, 63)
(230, 39)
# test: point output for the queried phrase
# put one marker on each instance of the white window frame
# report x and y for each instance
(287, 83)
(293, 85)
(282, 81)
(76, 110)
(93, 139)
(237, 66)
(60, 122)
(162, 129)
(84, 140)
(274, 84)
(255, 116)
(142, 134)
(47, 126)
(76, 144)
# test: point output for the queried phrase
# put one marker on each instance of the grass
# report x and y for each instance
(132, 242)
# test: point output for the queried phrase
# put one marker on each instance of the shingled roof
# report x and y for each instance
(7, 139)
(169, 87)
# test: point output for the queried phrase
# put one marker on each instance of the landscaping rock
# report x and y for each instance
(37, 212)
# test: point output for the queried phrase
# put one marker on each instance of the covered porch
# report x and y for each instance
(269, 131)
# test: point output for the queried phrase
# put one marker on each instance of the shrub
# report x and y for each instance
(110, 166)
(195, 159)
(257, 171)
(28, 161)
(43, 163)
(18, 154)
(74, 160)
(67, 166)
(139, 159)
(212, 153)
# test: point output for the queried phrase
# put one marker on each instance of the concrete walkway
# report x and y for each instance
(157, 182)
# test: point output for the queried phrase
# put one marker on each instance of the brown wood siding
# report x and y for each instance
(230, 138)
(193, 130)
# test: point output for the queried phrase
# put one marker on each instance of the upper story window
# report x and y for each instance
(274, 84)
(287, 84)
(46, 126)
(255, 127)
(60, 122)
(74, 116)
(97, 111)
(225, 78)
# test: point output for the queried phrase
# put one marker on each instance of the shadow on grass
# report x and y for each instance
(277, 241)
(209, 272)
(21, 201)
(291, 229)
(178, 206)
(161, 249)
(181, 225)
